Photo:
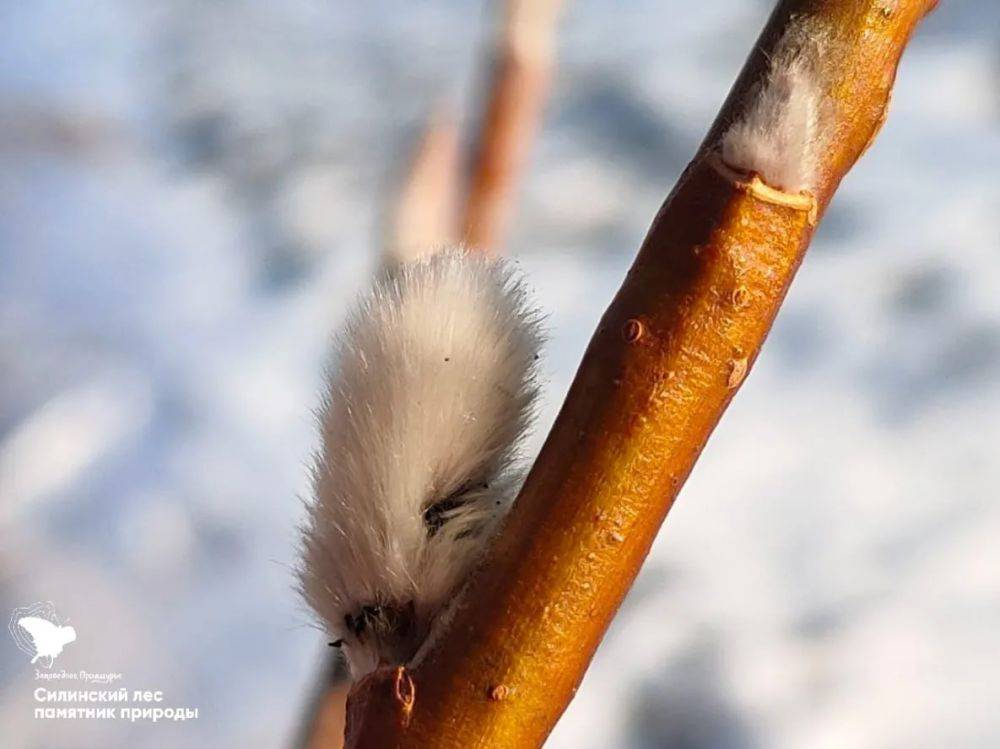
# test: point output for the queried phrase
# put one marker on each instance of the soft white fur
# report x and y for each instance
(780, 135)
(434, 382)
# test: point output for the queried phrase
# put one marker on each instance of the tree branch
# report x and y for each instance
(422, 219)
(522, 67)
(666, 359)
(423, 216)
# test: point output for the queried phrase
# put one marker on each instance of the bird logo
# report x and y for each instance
(38, 632)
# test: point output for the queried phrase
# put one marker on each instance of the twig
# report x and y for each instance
(423, 217)
(323, 723)
(520, 81)
(666, 359)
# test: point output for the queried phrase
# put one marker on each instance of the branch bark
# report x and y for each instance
(666, 359)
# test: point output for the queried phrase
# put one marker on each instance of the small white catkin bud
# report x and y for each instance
(780, 137)
(432, 387)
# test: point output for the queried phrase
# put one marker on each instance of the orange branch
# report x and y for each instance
(423, 217)
(666, 359)
(521, 72)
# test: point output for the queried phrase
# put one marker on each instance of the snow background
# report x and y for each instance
(190, 195)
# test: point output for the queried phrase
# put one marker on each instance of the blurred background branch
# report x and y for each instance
(423, 217)
(521, 70)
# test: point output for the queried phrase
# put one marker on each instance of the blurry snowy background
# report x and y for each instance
(190, 195)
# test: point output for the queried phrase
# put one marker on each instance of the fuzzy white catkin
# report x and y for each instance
(433, 385)
(780, 136)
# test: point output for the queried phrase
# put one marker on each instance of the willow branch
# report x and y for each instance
(422, 219)
(423, 216)
(665, 361)
(522, 67)
(322, 726)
